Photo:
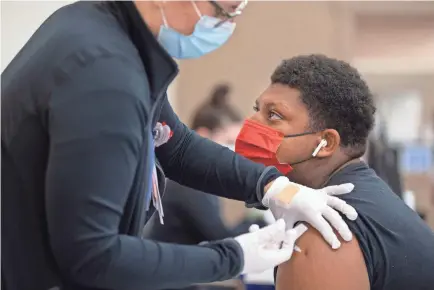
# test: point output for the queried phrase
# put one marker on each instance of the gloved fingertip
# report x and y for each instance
(336, 244)
(352, 214)
(348, 236)
(349, 186)
(253, 228)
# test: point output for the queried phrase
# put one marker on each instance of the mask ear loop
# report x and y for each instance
(299, 135)
(196, 9)
(163, 16)
(321, 145)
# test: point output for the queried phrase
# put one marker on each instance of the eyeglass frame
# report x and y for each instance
(228, 15)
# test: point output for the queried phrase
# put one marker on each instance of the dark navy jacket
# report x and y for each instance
(191, 217)
(79, 103)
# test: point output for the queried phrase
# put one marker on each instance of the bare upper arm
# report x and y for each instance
(318, 266)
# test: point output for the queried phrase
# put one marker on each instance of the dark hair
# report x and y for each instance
(216, 112)
(335, 95)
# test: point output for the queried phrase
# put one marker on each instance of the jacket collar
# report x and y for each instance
(160, 68)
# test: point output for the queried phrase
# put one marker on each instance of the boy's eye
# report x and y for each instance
(274, 116)
(271, 115)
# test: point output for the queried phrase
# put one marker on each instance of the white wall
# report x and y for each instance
(20, 19)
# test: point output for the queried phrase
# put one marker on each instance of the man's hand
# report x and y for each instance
(268, 247)
(313, 206)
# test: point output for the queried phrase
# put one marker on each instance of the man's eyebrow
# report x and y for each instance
(257, 103)
(284, 104)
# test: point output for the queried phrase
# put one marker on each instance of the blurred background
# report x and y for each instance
(391, 43)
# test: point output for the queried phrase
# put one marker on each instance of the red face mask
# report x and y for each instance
(259, 143)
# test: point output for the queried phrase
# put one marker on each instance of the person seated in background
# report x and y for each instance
(192, 216)
(312, 123)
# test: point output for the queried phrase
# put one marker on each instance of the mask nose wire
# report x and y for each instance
(196, 9)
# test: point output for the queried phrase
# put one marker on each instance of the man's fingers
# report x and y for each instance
(253, 228)
(321, 225)
(342, 206)
(338, 223)
(339, 189)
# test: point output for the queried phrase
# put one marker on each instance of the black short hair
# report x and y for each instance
(335, 95)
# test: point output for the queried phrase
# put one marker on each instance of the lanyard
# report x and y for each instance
(160, 135)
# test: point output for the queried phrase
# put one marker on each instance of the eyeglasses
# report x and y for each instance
(225, 15)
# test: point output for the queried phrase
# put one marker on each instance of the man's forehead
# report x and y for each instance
(277, 93)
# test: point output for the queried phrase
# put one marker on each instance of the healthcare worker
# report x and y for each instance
(85, 151)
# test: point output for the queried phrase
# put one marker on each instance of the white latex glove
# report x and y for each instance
(291, 235)
(313, 206)
(268, 247)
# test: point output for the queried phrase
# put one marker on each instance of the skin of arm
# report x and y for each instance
(318, 266)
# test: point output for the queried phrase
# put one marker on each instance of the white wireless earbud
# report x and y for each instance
(321, 145)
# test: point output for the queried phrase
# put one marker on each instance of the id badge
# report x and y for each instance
(156, 197)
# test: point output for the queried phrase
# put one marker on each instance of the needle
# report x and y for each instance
(297, 248)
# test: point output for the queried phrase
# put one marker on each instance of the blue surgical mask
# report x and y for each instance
(205, 38)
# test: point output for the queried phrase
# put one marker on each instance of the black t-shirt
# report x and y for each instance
(397, 245)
